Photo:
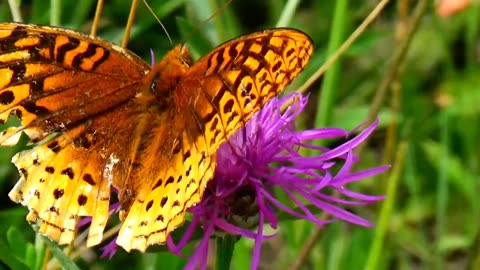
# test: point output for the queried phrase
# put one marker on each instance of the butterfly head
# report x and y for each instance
(165, 75)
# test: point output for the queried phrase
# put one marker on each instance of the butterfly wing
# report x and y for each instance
(216, 97)
(80, 89)
(240, 77)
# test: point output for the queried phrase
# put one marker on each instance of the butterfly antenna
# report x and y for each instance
(96, 19)
(131, 18)
(218, 11)
(158, 20)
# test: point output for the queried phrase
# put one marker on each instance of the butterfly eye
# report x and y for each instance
(153, 85)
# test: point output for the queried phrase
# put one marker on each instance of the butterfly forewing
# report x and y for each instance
(241, 76)
(52, 78)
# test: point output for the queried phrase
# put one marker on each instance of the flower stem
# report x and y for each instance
(377, 250)
(55, 11)
(225, 247)
(287, 13)
(332, 76)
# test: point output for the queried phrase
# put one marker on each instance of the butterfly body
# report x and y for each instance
(149, 132)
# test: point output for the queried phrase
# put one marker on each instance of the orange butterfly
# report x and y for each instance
(101, 117)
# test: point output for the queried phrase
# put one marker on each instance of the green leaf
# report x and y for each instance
(16, 242)
(225, 248)
(61, 257)
(10, 259)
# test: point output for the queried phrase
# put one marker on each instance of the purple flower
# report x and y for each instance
(264, 158)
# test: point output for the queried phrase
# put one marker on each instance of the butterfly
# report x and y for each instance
(100, 117)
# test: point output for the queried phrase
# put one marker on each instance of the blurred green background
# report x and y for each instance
(428, 126)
